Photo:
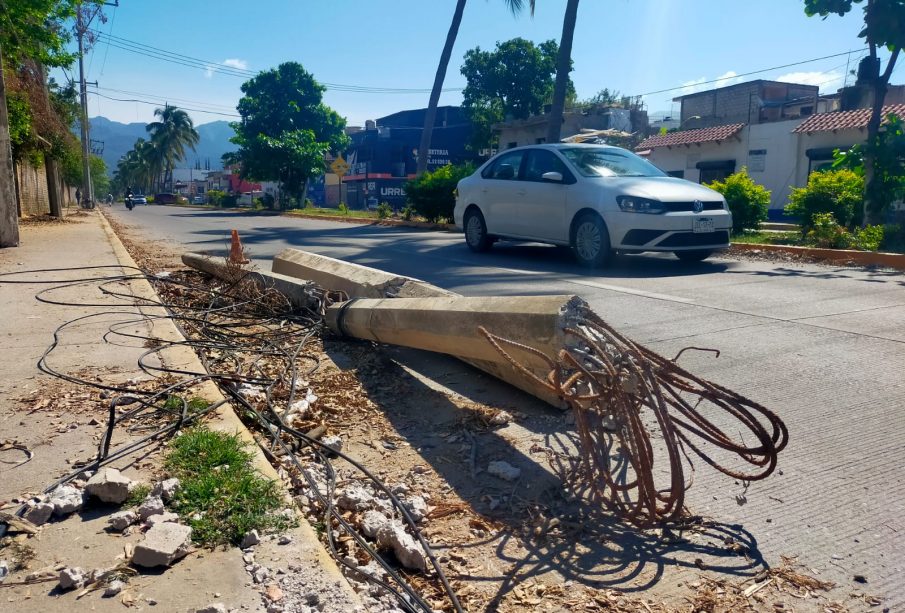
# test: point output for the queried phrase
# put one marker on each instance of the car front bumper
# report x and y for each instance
(670, 231)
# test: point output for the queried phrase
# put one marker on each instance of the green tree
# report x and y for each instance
(514, 80)
(748, 201)
(172, 135)
(286, 128)
(884, 26)
(888, 150)
(99, 178)
(138, 168)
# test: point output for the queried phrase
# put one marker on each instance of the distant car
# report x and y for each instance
(166, 199)
(198, 200)
(595, 199)
(139, 199)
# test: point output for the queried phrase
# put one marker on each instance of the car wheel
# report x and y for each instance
(696, 255)
(476, 231)
(590, 241)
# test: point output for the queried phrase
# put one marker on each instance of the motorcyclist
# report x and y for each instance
(128, 197)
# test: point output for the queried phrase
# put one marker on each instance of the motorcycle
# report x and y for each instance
(129, 204)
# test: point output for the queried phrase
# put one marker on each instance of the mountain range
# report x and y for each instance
(118, 139)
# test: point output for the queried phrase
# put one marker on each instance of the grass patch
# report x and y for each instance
(222, 497)
(137, 495)
(769, 238)
(174, 403)
(330, 212)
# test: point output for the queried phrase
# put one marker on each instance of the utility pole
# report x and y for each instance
(87, 191)
(9, 217)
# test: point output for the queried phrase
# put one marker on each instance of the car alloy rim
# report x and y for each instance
(473, 231)
(588, 240)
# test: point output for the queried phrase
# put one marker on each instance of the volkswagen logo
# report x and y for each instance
(698, 206)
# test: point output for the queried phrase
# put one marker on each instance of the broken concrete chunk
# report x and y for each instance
(500, 418)
(392, 535)
(504, 470)
(372, 522)
(284, 540)
(212, 608)
(250, 539)
(66, 499)
(416, 507)
(354, 498)
(153, 505)
(162, 519)
(333, 442)
(115, 587)
(72, 577)
(163, 544)
(166, 489)
(109, 485)
(122, 520)
(38, 513)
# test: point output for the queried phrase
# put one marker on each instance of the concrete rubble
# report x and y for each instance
(162, 518)
(166, 489)
(113, 588)
(163, 544)
(504, 470)
(333, 442)
(66, 499)
(251, 539)
(38, 513)
(354, 498)
(121, 520)
(371, 523)
(392, 535)
(71, 578)
(152, 505)
(109, 485)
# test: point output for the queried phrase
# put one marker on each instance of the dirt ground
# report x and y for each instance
(431, 425)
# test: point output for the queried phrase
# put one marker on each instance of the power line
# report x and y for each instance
(162, 103)
(217, 67)
(169, 98)
(745, 74)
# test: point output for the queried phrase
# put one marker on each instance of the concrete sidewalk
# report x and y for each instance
(61, 424)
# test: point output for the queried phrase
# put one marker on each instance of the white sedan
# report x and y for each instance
(594, 198)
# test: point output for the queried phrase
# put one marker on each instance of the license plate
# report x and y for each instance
(704, 224)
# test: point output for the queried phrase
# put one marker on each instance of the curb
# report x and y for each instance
(307, 547)
(834, 256)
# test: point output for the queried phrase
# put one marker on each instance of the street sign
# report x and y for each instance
(339, 166)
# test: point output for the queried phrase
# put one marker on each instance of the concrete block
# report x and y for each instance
(372, 521)
(38, 513)
(166, 489)
(66, 499)
(109, 485)
(153, 505)
(73, 577)
(122, 520)
(392, 535)
(163, 544)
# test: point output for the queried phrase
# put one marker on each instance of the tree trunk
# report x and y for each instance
(53, 181)
(431, 115)
(873, 211)
(9, 219)
(563, 67)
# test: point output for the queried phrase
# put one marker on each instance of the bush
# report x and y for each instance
(433, 194)
(150, 199)
(408, 212)
(827, 233)
(868, 238)
(838, 192)
(229, 200)
(342, 209)
(747, 200)
(215, 196)
(384, 210)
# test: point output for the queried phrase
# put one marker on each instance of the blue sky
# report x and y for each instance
(634, 46)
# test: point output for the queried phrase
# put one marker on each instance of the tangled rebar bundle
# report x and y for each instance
(633, 408)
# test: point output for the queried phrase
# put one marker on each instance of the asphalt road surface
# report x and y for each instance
(822, 346)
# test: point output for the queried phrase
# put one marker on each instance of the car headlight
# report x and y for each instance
(633, 204)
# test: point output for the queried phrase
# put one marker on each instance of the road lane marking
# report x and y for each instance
(629, 290)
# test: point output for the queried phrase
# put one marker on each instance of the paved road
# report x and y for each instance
(823, 346)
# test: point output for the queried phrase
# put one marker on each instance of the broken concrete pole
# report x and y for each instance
(109, 485)
(392, 535)
(163, 545)
(299, 295)
(363, 282)
(450, 325)
(38, 513)
(66, 499)
(353, 279)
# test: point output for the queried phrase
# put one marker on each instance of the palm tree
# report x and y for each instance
(172, 134)
(563, 67)
(139, 167)
(431, 115)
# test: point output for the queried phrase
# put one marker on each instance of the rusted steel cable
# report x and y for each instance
(636, 412)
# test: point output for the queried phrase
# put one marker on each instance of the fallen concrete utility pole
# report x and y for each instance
(357, 281)
(452, 325)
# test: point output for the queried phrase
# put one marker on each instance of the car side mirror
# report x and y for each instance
(555, 177)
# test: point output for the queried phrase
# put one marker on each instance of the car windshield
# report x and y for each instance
(609, 162)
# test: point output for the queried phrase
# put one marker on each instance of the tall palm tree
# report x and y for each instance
(563, 67)
(430, 116)
(172, 134)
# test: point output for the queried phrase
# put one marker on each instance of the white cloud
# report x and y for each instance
(236, 63)
(828, 81)
(727, 78)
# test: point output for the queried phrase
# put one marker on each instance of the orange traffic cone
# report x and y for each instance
(236, 252)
